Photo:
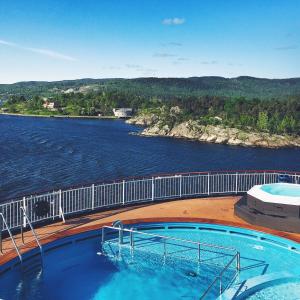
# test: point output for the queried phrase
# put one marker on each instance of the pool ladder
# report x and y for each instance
(35, 262)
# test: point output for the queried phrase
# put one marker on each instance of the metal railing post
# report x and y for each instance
(180, 186)
(103, 234)
(131, 236)
(11, 237)
(123, 192)
(32, 230)
(238, 261)
(152, 188)
(208, 191)
(264, 177)
(59, 202)
(93, 196)
(236, 182)
(24, 206)
(22, 233)
(120, 236)
(61, 212)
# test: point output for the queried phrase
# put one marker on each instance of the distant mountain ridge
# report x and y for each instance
(243, 86)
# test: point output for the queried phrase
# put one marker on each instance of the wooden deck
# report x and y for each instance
(218, 210)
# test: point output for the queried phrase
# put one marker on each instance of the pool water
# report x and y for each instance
(79, 270)
(284, 291)
(282, 189)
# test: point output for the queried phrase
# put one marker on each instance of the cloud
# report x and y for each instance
(45, 52)
(163, 55)
(140, 68)
(8, 43)
(211, 62)
(289, 47)
(173, 21)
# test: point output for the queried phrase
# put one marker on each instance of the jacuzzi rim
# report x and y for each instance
(96, 233)
(266, 197)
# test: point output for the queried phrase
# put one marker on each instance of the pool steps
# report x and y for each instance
(248, 287)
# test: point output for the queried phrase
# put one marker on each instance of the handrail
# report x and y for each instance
(32, 230)
(172, 238)
(219, 277)
(12, 239)
(236, 256)
(163, 175)
(146, 189)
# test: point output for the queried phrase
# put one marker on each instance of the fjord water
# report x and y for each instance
(43, 154)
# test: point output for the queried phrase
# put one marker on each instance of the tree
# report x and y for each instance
(262, 121)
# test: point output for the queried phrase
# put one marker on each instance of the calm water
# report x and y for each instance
(38, 154)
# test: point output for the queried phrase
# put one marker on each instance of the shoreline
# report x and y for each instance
(58, 116)
(213, 134)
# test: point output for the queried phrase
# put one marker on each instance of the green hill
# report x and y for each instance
(244, 86)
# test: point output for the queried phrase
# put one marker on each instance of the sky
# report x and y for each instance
(70, 39)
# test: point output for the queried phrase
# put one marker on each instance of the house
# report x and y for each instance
(123, 112)
(50, 105)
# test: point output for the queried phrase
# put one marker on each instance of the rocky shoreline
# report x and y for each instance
(217, 134)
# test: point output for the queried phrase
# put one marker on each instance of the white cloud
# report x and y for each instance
(173, 21)
(6, 43)
(46, 52)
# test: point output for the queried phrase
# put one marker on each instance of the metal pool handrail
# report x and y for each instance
(236, 256)
(12, 239)
(170, 238)
(219, 277)
(31, 228)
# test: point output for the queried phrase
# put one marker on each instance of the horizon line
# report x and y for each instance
(145, 77)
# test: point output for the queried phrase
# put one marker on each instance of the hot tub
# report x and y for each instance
(279, 193)
(274, 205)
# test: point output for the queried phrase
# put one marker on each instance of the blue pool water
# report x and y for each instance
(282, 189)
(74, 270)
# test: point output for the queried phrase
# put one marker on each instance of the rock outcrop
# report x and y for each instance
(213, 133)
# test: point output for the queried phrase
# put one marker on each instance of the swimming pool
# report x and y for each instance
(74, 270)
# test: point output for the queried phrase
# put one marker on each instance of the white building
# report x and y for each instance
(123, 112)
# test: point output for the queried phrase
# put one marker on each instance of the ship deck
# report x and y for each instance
(215, 210)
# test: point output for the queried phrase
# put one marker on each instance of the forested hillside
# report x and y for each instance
(262, 105)
(248, 87)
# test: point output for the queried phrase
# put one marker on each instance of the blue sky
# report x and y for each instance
(55, 40)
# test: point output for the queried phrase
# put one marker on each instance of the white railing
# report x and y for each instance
(63, 203)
